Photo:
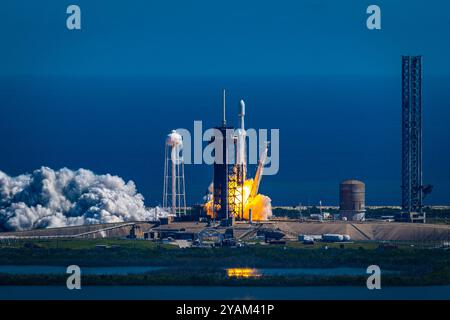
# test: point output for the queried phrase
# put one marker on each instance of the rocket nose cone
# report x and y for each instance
(242, 107)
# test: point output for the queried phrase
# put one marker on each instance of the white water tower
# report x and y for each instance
(174, 195)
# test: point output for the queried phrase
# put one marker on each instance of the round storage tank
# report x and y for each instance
(352, 203)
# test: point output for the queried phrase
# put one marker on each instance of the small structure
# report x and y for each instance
(332, 237)
(135, 232)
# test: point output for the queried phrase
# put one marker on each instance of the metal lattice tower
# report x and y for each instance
(236, 192)
(412, 205)
(223, 140)
(229, 176)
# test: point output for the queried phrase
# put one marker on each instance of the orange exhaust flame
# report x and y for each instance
(261, 205)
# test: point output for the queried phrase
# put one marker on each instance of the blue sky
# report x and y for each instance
(212, 37)
(104, 97)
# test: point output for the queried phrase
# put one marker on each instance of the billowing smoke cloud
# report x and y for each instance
(49, 198)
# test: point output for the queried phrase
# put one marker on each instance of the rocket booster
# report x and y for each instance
(259, 172)
(241, 154)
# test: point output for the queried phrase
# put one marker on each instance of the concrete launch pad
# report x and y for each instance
(291, 229)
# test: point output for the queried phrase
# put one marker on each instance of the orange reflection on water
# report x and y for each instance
(243, 272)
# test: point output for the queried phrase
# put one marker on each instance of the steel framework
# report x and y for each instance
(222, 141)
(412, 195)
(236, 192)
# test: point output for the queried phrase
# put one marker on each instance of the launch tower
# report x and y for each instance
(223, 140)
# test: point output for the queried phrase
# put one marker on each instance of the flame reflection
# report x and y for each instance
(243, 273)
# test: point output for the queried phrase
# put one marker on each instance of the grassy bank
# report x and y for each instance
(125, 252)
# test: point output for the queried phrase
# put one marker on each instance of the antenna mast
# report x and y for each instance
(224, 121)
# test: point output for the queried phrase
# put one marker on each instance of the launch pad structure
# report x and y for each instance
(230, 169)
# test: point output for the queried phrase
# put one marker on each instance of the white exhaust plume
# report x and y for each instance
(48, 198)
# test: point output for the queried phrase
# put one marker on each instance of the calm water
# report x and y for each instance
(199, 292)
(212, 293)
(138, 270)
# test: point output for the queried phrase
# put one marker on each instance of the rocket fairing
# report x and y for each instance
(242, 114)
